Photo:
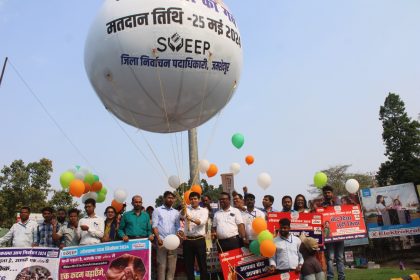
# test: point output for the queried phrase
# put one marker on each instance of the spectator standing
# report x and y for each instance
(267, 203)
(249, 215)
(45, 229)
(300, 204)
(111, 225)
(311, 268)
(135, 223)
(22, 233)
(61, 217)
(67, 234)
(91, 227)
(287, 204)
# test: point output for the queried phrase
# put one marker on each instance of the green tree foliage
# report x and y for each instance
(62, 199)
(401, 136)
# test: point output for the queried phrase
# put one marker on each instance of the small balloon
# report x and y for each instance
(79, 175)
(66, 178)
(89, 178)
(96, 178)
(249, 159)
(212, 170)
(254, 247)
(187, 197)
(197, 189)
(77, 188)
(96, 186)
(259, 224)
(203, 165)
(84, 170)
(117, 205)
(235, 168)
(101, 197)
(267, 248)
(171, 242)
(104, 190)
(264, 180)
(120, 195)
(320, 179)
(352, 186)
(174, 181)
(238, 140)
(265, 235)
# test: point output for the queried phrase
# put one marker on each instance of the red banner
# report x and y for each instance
(342, 222)
(308, 223)
(243, 262)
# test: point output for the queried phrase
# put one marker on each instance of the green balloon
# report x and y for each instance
(103, 190)
(320, 179)
(89, 178)
(254, 247)
(101, 197)
(265, 235)
(66, 178)
(238, 140)
(96, 178)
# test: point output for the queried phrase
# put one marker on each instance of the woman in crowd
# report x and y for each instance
(301, 205)
(111, 225)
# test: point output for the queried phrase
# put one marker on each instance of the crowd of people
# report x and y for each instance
(230, 227)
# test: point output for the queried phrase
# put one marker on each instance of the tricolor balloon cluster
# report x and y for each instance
(264, 245)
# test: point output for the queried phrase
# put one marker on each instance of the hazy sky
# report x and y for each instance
(314, 76)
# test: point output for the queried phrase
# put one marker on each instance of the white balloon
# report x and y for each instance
(79, 175)
(352, 186)
(93, 195)
(174, 181)
(120, 195)
(171, 242)
(264, 180)
(84, 171)
(73, 170)
(235, 168)
(163, 74)
(203, 165)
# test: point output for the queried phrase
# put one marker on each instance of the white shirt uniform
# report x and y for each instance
(287, 253)
(226, 222)
(248, 218)
(193, 230)
(22, 234)
(95, 232)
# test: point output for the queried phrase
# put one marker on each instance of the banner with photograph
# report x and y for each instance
(342, 223)
(391, 210)
(29, 263)
(307, 223)
(243, 262)
(112, 261)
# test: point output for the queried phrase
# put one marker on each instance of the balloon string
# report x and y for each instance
(204, 93)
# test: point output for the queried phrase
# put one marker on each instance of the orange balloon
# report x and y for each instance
(196, 188)
(212, 170)
(259, 224)
(249, 159)
(96, 186)
(77, 188)
(88, 187)
(118, 206)
(187, 197)
(267, 248)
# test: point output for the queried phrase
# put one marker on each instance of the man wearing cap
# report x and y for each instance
(311, 268)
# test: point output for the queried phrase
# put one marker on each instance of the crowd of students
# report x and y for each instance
(230, 227)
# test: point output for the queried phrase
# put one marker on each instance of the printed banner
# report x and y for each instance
(243, 262)
(391, 210)
(308, 223)
(342, 222)
(112, 261)
(284, 276)
(29, 263)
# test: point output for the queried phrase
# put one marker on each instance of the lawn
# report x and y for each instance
(377, 274)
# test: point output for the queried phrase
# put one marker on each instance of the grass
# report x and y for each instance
(377, 274)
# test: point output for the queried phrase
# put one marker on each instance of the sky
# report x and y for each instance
(314, 76)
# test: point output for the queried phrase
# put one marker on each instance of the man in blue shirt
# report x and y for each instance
(44, 231)
(166, 222)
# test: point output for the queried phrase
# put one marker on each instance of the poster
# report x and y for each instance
(243, 262)
(111, 261)
(283, 276)
(307, 223)
(29, 263)
(391, 210)
(348, 256)
(342, 222)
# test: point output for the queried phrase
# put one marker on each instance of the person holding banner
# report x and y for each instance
(248, 217)
(287, 257)
(194, 246)
(334, 250)
(301, 205)
(44, 235)
(267, 203)
(22, 233)
(67, 234)
(287, 204)
(91, 227)
(135, 223)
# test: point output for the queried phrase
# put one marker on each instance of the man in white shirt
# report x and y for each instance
(228, 226)
(249, 215)
(91, 227)
(287, 257)
(23, 233)
(194, 245)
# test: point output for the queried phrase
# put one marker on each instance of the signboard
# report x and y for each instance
(29, 263)
(342, 222)
(243, 262)
(112, 260)
(348, 256)
(307, 223)
(227, 182)
(284, 276)
(391, 210)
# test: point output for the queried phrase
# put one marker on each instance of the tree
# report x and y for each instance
(62, 199)
(401, 136)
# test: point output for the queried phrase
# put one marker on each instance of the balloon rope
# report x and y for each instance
(204, 92)
(175, 157)
(154, 51)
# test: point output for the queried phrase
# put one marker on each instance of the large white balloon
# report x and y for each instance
(164, 65)
(93, 195)
(120, 195)
(203, 165)
(235, 168)
(174, 181)
(171, 242)
(352, 186)
(264, 180)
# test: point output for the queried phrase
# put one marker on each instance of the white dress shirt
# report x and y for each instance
(95, 232)
(226, 222)
(287, 253)
(22, 234)
(248, 217)
(191, 229)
